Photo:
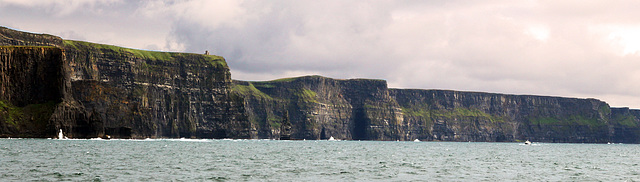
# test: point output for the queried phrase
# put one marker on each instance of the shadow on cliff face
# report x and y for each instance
(360, 123)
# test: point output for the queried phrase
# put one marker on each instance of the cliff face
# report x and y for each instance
(27, 74)
(31, 84)
(360, 109)
(144, 94)
(319, 107)
(472, 116)
(625, 125)
(90, 90)
(107, 90)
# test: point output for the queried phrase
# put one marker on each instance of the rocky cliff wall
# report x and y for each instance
(144, 94)
(26, 75)
(126, 93)
(31, 85)
(624, 125)
(91, 90)
(319, 107)
(360, 109)
(473, 116)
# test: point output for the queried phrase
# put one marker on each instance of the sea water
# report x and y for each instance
(270, 160)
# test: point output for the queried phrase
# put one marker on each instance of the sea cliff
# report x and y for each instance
(319, 107)
(31, 84)
(361, 109)
(129, 93)
(475, 116)
(93, 90)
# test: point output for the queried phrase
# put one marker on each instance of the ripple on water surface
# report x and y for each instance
(233, 160)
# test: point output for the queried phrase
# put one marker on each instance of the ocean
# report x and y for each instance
(273, 160)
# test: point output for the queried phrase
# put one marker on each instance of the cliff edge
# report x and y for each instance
(100, 90)
(93, 90)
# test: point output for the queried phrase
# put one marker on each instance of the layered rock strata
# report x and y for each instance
(361, 109)
(474, 116)
(319, 107)
(126, 93)
(91, 90)
(31, 84)
(155, 94)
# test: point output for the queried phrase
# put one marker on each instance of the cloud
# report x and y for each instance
(567, 48)
(104, 21)
(62, 7)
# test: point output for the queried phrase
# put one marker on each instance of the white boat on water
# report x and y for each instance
(416, 140)
(527, 142)
(332, 139)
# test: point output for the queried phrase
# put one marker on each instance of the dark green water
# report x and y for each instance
(266, 160)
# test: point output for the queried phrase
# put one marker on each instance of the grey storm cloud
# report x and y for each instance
(561, 48)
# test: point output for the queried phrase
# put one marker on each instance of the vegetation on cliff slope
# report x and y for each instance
(249, 91)
(32, 118)
(571, 120)
(144, 54)
(13, 37)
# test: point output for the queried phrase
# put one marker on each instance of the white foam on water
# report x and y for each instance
(188, 140)
(60, 135)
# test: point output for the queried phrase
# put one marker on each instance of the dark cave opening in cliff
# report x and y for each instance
(360, 123)
(323, 134)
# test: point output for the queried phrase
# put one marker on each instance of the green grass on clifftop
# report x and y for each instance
(144, 54)
(294, 78)
(306, 95)
(249, 90)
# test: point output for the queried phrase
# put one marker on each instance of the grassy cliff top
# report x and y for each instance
(9, 36)
(143, 54)
(308, 77)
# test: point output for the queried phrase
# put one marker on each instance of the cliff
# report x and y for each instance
(319, 107)
(144, 94)
(474, 116)
(360, 109)
(126, 93)
(31, 84)
(624, 125)
(91, 90)
(9, 37)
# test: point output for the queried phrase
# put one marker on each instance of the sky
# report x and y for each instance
(569, 48)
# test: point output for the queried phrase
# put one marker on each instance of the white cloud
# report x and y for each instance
(625, 36)
(202, 12)
(539, 32)
(62, 7)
